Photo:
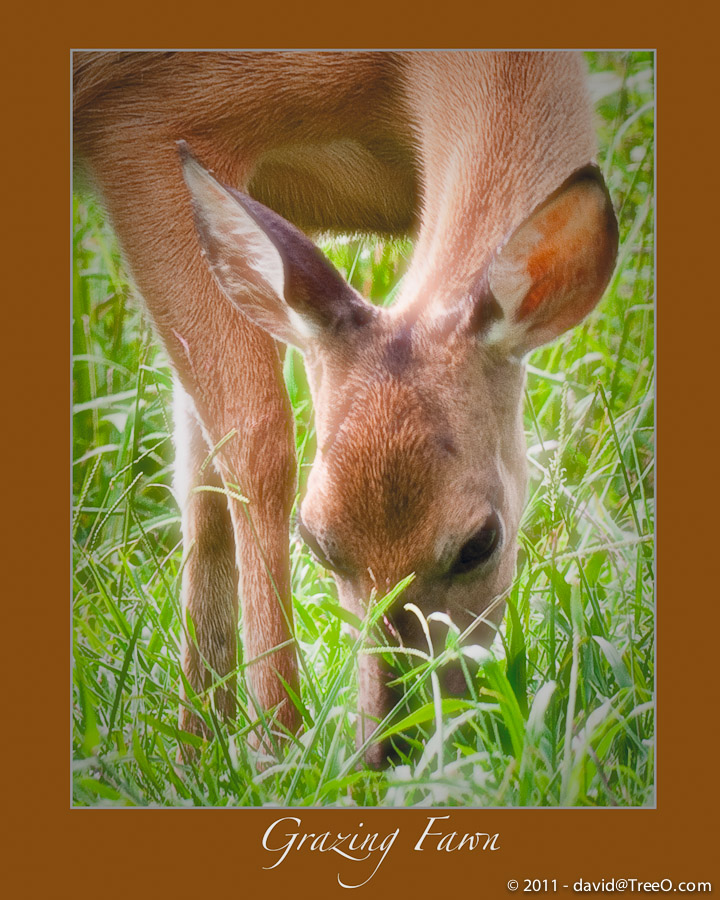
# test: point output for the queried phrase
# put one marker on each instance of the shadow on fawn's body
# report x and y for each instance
(488, 159)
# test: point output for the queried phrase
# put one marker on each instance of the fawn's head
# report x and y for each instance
(420, 465)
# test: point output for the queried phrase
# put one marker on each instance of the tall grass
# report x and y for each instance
(562, 708)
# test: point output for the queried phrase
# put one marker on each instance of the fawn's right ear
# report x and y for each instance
(266, 267)
(553, 269)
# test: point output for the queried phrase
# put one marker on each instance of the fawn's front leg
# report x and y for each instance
(238, 524)
(233, 373)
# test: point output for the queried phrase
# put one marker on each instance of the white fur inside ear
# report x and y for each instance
(496, 333)
(303, 326)
(509, 278)
(230, 224)
(259, 251)
(505, 333)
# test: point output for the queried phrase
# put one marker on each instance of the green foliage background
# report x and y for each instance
(562, 712)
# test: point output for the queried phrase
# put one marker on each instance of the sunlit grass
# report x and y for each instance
(562, 710)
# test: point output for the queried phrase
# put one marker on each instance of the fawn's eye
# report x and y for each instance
(479, 548)
(315, 547)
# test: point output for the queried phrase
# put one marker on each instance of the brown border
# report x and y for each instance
(52, 849)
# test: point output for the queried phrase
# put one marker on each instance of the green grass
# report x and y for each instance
(562, 711)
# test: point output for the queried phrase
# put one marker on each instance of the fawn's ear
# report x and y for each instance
(268, 269)
(552, 270)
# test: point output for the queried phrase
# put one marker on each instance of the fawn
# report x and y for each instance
(487, 158)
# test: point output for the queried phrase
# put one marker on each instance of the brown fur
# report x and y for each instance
(418, 408)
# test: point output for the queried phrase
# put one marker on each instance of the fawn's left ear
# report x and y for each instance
(267, 268)
(552, 270)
